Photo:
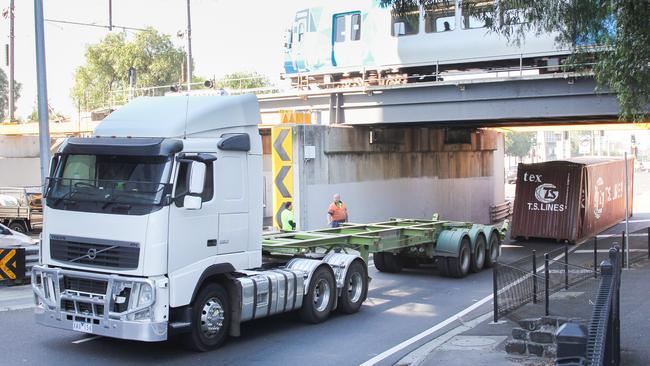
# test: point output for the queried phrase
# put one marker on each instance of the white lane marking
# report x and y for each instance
(618, 235)
(583, 251)
(382, 356)
(83, 340)
(418, 356)
(428, 332)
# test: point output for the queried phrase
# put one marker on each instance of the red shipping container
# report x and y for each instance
(570, 200)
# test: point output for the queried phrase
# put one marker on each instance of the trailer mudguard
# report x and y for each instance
(448, 242)
(474, 232)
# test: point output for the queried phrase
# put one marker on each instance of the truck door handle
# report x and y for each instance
(212, 242)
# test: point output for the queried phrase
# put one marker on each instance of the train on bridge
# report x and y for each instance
(346, 43)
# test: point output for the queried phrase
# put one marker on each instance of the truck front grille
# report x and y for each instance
(106, 254)
(84, 285)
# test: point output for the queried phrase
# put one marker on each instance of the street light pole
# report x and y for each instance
(11, 61)
(189, 48)
(43, 120)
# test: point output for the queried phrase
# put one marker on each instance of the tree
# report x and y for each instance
(614, 34)
(242, 80)
(4, 94)
(519, 143)
(156, 61)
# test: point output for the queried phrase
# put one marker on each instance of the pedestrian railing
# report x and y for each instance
(600, 343)
(523, 281)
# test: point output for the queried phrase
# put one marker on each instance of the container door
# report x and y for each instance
(346, 37)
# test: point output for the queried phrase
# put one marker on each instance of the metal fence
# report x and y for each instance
(524, 281)
(601, 345)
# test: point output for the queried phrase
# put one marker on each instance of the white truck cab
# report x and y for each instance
(154, 226)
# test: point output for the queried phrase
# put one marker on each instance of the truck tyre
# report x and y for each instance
(443, 267)
(319, 301)
(355, 288)
(210, 319)
(492, 251)
(478, 257)
(388, 262)
(459, 266)
(18, 227)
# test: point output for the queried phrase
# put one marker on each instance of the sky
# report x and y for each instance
(227, 36)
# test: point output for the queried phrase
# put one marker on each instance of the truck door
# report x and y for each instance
(347, 49)
(231, 194)
(193, 233)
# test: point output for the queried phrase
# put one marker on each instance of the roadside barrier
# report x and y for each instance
(600, 344)
(523, 281)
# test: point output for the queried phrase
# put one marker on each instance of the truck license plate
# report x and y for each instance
(82, 327)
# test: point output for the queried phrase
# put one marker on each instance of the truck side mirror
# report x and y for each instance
(197, 178)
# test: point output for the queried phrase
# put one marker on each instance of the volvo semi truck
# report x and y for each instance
(153, 228)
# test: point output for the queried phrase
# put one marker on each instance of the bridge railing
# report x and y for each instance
(360, 78)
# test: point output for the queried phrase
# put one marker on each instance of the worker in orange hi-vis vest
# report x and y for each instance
(337, 212)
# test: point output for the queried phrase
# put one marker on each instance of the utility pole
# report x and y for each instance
(189, 48)
(43, 113)
(110, 15)
(11, 61)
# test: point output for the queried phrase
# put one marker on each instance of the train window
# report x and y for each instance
(339, 26)
(356, 27)
(406, 24)
(301, 31)
(474, 6)
(439, 19)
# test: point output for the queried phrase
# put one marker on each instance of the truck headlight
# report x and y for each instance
(145, 297)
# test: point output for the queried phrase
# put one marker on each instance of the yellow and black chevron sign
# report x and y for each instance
(12, 264)
(282, 167)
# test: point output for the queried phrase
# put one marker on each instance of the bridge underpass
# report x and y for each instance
(414, 149)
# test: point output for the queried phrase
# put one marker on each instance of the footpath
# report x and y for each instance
(480, 341)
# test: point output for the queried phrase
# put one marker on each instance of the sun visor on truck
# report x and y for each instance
(121, 146)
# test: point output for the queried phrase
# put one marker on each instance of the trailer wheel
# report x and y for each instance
(443, 267)
(354, 289)
(459, 266)
(18, 227)
(493, 250)
(388, 262)
(478, 257)
(319, 301)
(210, 319)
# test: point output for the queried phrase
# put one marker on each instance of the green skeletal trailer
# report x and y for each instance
(457, 247)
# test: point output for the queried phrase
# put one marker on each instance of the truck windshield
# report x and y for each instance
(109, 183)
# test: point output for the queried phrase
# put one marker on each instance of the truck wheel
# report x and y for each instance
(319, 301)
(354, 289)
(493, 250)
(18, 227)
(459, 266)
(388, 262)
(443, 267)
(210, 319)
(478, 257)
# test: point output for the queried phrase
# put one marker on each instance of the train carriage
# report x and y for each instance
(340, 42)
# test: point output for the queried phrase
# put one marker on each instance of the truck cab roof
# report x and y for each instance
(181, 116)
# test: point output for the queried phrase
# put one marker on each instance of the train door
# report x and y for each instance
(346, 37)
(298, 45)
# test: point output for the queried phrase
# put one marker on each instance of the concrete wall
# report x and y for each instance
(396, 172)
(19, 146)
(19, 172)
